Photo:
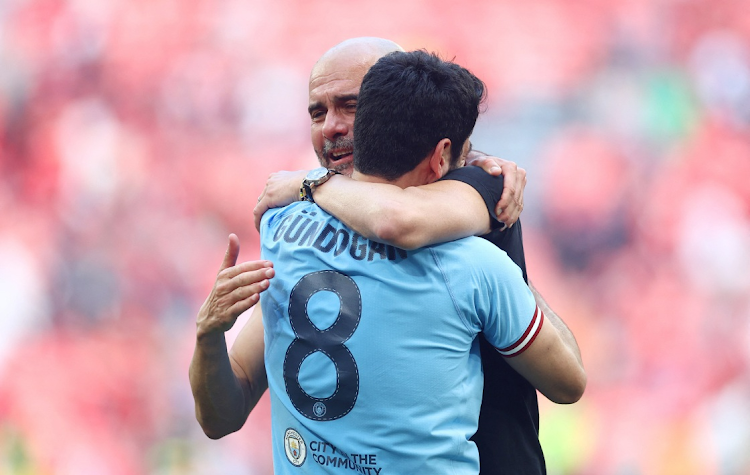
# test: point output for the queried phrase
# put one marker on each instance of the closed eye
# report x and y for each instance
(317, 115)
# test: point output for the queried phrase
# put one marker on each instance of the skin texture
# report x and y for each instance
(227, 384)
(282, 188)
(402, 217)
(334, 86)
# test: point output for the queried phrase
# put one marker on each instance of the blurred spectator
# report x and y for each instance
(134, 136)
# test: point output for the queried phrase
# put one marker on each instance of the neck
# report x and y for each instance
(420, 175)
(404, 181)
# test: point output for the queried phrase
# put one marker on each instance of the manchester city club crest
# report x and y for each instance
(319, 409)
(295, 447)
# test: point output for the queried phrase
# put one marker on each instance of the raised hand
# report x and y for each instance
(236, 289)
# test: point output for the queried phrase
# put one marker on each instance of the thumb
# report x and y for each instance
(233, 252)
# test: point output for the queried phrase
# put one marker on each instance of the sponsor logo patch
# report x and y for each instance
(295, 447)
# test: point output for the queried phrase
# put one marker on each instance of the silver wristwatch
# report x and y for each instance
(314, 179)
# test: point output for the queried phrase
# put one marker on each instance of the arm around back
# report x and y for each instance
(407, 218)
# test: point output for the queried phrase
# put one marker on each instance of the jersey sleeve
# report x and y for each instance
(488, 186)
(513, 319)
(527, 338)
(505, 308)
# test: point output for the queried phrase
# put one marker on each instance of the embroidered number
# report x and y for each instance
(330, 341)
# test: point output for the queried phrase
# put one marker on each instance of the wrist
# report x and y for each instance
(209, 335)
(313, 180)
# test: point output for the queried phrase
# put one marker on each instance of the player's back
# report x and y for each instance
(370, 350)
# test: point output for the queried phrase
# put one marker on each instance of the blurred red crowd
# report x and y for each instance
(134, 136)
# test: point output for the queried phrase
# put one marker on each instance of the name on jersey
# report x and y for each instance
(304, 230)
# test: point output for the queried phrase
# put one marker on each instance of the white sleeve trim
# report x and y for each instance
(527, 338)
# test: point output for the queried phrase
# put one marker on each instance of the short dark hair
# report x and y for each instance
(408, 102)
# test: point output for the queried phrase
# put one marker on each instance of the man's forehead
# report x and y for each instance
(336, 87)
(341, 73)
(338, 83)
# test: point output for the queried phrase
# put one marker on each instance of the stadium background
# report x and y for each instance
(135, 135)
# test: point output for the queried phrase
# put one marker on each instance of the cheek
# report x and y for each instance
(318, 142)
(350, 123)
(316, 134)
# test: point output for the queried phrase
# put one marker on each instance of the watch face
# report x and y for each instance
(316, 174)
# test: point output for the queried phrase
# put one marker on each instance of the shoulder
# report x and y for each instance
(475, 177)
(472, 253)
(489, 187)
(486, 287)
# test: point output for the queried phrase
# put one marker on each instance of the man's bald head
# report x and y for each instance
(363, 51)
(334, 86)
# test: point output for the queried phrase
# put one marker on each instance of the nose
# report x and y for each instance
(334, 125)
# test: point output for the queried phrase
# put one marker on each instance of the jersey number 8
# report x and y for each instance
(330, 341)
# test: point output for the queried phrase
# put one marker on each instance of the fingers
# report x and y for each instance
(509, 207)
(244, 297)
(510, 172)
(260, 207)
(236, 289)
(232, 253)
(251, 273)
(251, 268)
(232, 293)
(520, 185)
(244, 305)
(244, 276)
(518, 193)
(504, 210)
(488, 164)
(282, 188)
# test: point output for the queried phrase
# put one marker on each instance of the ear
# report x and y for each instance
(440, 160)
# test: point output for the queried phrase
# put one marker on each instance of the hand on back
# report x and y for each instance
(509, 207)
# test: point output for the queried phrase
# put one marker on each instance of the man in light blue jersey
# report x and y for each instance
(370, 351)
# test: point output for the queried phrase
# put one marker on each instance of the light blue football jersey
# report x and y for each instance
(370, 350)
